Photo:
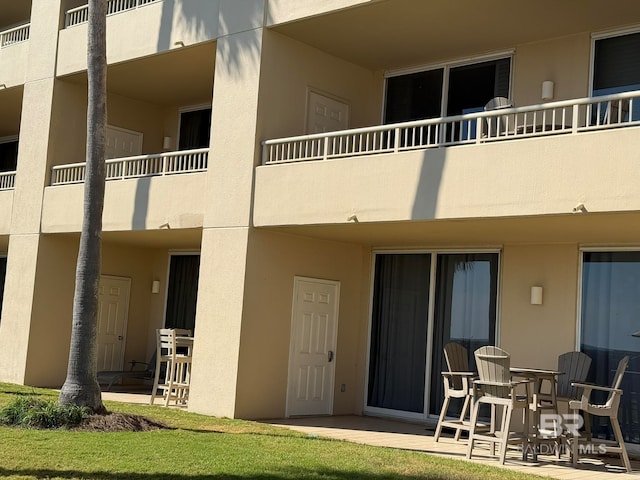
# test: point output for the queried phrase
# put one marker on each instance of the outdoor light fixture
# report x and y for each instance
(547, 90)
(167, 143)
(536, 295)
(155, 286)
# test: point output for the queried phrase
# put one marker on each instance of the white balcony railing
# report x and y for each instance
(7, 180)
(186, 161)
(79, 15)
(565, 117)
(14, 35)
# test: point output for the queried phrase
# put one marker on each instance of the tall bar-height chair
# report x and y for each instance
(495, 387)
(176, 364)
(607, 409)
(458, 383)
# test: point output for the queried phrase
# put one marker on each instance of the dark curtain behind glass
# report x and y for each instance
(8, 156)
(465, 312)
(415, 96)
(182, 291)
(399, 332)
(195, 129)
(610, 314)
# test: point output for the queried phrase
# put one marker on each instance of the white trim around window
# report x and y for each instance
(603, 35)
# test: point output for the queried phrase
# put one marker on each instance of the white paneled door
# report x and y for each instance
(113, 310)
(312, 355)
(121, 143)
(326, 114)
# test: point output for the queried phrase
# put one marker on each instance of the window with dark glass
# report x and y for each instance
(8, 156)
(195, 129)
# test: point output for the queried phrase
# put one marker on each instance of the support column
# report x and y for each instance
(32, 171)
(227, 222)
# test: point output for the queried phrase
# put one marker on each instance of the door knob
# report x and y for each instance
(330, 356)
(120, 337)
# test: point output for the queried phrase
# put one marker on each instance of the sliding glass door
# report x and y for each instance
(409, 329)
(446, 91)
(465, 311)
(609, 317)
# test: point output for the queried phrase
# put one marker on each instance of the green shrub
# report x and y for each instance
(30, 412)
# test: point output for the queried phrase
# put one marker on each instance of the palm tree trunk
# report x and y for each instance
(81, 386)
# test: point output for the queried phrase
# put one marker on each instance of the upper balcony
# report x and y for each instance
(14, 42)
(433, 152)
(159, 110)
(136, 29)
(517, 161)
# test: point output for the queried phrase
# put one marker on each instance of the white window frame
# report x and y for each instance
(434, 252)
(603, 36)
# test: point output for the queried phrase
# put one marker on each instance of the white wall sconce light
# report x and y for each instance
(167, 143)
(155, 286)
(547, 90)
(536, 295)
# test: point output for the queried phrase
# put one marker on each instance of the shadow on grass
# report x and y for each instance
(317, 473)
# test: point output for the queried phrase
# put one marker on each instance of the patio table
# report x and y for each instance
(540, 401)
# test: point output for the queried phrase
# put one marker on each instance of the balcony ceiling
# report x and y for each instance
(586, 228)
(11, 102)
(14, 12)
(183, 76)
(398, 33)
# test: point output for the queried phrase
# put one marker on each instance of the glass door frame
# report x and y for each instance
(434, 252)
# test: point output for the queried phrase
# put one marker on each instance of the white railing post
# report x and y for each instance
(396, 140)
(575, 113)
(326, 148)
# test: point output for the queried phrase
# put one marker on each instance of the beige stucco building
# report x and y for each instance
(317, 189)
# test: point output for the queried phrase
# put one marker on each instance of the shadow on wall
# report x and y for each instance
(205, 19)
(428, 185)
(141, 205)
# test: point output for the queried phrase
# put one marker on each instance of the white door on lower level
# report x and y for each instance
(314, 329)
(326, 114)
(113, 310)
(122, 143)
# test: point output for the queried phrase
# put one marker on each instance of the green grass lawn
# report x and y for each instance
(199, 447)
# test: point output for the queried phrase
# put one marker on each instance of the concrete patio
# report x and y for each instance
(410, 436)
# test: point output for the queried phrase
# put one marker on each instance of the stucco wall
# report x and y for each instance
(52, 308)
(536, 334)
(6, 204)
(134, 204)
(565, 61)
(282, 11)
(272, 262)
(290, 68)
(68, 137)
(150, 29)
(13, 64)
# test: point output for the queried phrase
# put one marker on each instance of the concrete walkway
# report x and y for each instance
(410, 436)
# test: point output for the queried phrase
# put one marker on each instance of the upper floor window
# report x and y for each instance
(464, 89)
(616, 64)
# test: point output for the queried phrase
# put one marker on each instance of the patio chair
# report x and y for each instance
(607, 409)
(110, 376)
(495, 388)
(457, 384)
(502, 124)
(177, 368)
